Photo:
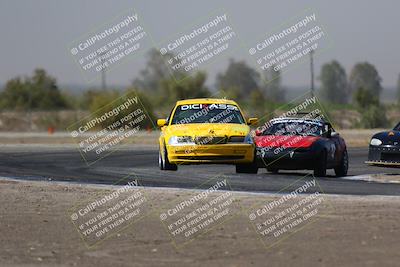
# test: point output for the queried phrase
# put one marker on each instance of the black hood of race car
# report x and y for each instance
(388, 137)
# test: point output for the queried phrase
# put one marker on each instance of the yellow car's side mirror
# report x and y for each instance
(161, 122)
(252, 121)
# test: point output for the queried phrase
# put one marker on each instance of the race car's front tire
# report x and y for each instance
(160, 161)
(320, 168)
(341, 169)
(164, 162)
(247, 168)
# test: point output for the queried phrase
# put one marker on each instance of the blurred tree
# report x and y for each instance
(333, 83)
(15, 95)
(99, 100)
(37, 92)
(272, 85)
(147, 105)
(87, 97)
(232, 92)
(373, 114)
(73, 100)
(364, 98)
(239, 75)
(156, 70)
(374, 117)
(257, 103)
(105, 101)
(190, 87)
(366, 76)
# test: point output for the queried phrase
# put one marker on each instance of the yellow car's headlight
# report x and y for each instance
(180, 140)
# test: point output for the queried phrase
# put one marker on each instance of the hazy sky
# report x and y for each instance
(37, 33)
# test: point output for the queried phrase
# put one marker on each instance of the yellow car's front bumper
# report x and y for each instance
(222, 153)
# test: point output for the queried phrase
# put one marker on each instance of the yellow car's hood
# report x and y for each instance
(207, 129)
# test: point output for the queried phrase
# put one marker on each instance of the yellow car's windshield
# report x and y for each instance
(207, 113)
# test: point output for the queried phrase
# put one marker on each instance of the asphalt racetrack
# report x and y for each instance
(64, 163)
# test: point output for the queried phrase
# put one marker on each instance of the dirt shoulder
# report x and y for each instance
(358, 137)
(36, 230)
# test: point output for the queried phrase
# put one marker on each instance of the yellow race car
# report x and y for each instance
(207, 131)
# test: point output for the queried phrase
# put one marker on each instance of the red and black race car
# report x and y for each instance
(301, 144)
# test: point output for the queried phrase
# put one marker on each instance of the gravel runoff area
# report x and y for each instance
(37, 230)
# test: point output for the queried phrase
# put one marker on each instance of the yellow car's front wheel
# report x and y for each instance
(164, 163)
(251, 167)
(246, 168)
